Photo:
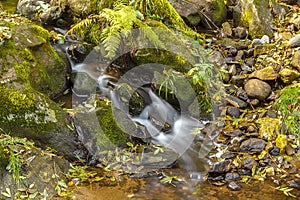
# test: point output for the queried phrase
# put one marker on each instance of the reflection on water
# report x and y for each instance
(9, 5)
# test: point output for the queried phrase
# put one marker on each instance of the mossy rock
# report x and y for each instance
(31, 72)
(97, 127)
(288, 105)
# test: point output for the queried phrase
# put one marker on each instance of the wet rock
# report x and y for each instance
(228, 155)
(265, 74)
(240, 32)
(232, 133)
(217, 58)
(232, 177)
(296, 60)
(294, 41)
(257, 89)
(234, 186)
(248, 163)
(289, 75)
(233, 51)
(292, 184)
(220, 167)
(236, 102)
(233, 112)
(245, 172)
(253, 145)
(275, 151)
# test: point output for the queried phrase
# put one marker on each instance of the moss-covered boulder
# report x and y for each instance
(256, 15)
(30, 73)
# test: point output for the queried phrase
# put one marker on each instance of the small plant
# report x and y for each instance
(168, 84)
(286, 191)
(170, 179)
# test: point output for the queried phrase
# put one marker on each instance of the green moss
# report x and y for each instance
(288, 105)
(110, 128)
(41, 33)
(219, 11)
(246, 17)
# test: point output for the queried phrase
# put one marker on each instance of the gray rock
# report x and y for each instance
(220, 167)
(253, 145)
(234, 186)
(232, 177)
(257, 89)
(275, 151)
(294, 41)
(215, 10)
(232, 133)
(236, 102)
(248, 163)
(292, 184)
(233, 112)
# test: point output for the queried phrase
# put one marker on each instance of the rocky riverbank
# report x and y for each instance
(254, 46)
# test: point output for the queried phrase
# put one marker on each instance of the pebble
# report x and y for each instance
(233, 112)
(236, 102)
(255, 102)
(233, 176)
(232, 133)
(220, 167)
(240, 32)
(234, 186)
(292, 184)
(275, 151)
(248, 163)
(267, 73)
(294, 41)
(257, 89)
(289, 150)
(253, 145)
(289, 75)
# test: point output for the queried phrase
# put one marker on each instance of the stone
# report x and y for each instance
(232, 176)
(275, 151)
(32, 72)
(296, 60)
(248, 163)
(294, 41)
(220, 167)
(232, 133)
(292, 184)
(236, 102)
(240, 32)
(233, 112)
(289, 75)
(226, 29)
(254, 14)
(215, 10)
(257, 89)
(234, 186)
(39, 9)
(217, 58)
(265, 74)
(253, 145)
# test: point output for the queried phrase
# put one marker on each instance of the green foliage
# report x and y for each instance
(170, 179)
(289, 106)
(10, 145)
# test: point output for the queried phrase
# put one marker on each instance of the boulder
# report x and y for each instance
(255, 15)
(211, 11)
(257, 89)
(31, 72)
(296, 60)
